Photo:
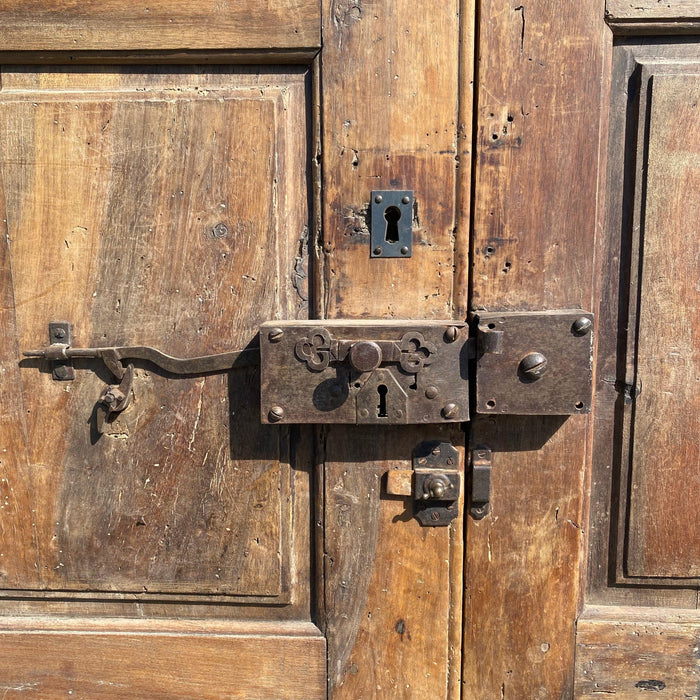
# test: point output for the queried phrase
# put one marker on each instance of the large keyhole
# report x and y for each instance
(381, 409)
(392, 216)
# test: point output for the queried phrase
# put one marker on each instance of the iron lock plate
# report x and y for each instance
(534, 363)
(367, 372)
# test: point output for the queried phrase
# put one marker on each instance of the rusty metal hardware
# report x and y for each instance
(391, 224)
(114, 399)
(377, 372)
(60, 334)
(538, 363)
(385, 372)
(113, 357)
(480, 482)
(436, 483)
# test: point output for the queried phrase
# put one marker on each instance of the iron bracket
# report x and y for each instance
(436, 483)
(480, 482)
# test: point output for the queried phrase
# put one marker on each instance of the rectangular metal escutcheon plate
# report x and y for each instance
(371, 372)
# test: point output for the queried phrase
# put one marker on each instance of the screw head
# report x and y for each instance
(581, 326)
(377, 250)
(404, 250)
(451, 334)
(435, 515)
(450, 410)
(275, 335)
(436, 450)
(276, 414)
(405, 200)
(431, 392)
(533, 366)
(220, 231)
(108, 398)
(378, 199)
(59, 333)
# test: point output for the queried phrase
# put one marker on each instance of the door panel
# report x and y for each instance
(664, 420)
(125, 215)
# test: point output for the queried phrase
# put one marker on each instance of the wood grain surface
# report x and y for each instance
(123, 661)
(390, 112)
(666, 423)
(65, 25)
(538, 102)
(125, 217)
(632, 652)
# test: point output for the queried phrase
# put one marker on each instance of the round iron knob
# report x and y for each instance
(365, 356)
(434, 487)
(533, 365)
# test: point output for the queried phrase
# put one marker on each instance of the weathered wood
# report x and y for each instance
(623, 652)
(619, 256)
(619, 10)
(44, 658)
(664, 521)
(122, 222)
(537, 139)
(393, 589)
(99, 25)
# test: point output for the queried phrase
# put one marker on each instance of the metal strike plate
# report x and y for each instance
(371, 372)
(534, 363)
(391, 224)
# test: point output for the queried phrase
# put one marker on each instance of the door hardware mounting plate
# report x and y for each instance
(534, 363)
(371, 372)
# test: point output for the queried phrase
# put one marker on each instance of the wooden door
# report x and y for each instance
(173, 175)
(583, 580)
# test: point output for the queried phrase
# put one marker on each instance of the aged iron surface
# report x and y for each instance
(391, 224)
(377, 372)
(480, 482)
(61, 333)
(436, 483)
(534, 362)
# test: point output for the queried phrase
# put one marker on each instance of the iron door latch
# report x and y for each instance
(384, 372)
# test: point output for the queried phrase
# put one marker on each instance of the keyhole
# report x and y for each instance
(381, 409)
(392, 216)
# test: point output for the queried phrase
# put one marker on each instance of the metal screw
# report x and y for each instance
(436, 450)
(431, 392)
(378, 250)
(404, 250)
(449, 461)
(451, 410)
(220, 231)
(451, 334)
(533, 365)
(581, 326)
(59, 333)
(275, 335)
(406, 199)
(364, 413)
(435, 515)
(108, 398)
(378, 199)
(276, 414)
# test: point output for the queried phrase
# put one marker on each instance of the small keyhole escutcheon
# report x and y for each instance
(391, 224)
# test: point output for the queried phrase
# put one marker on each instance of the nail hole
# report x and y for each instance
(492, 326)
(490, 403)
(579, 405)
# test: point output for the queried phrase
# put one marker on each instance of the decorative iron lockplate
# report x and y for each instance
(534, 363)
(371, 372)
